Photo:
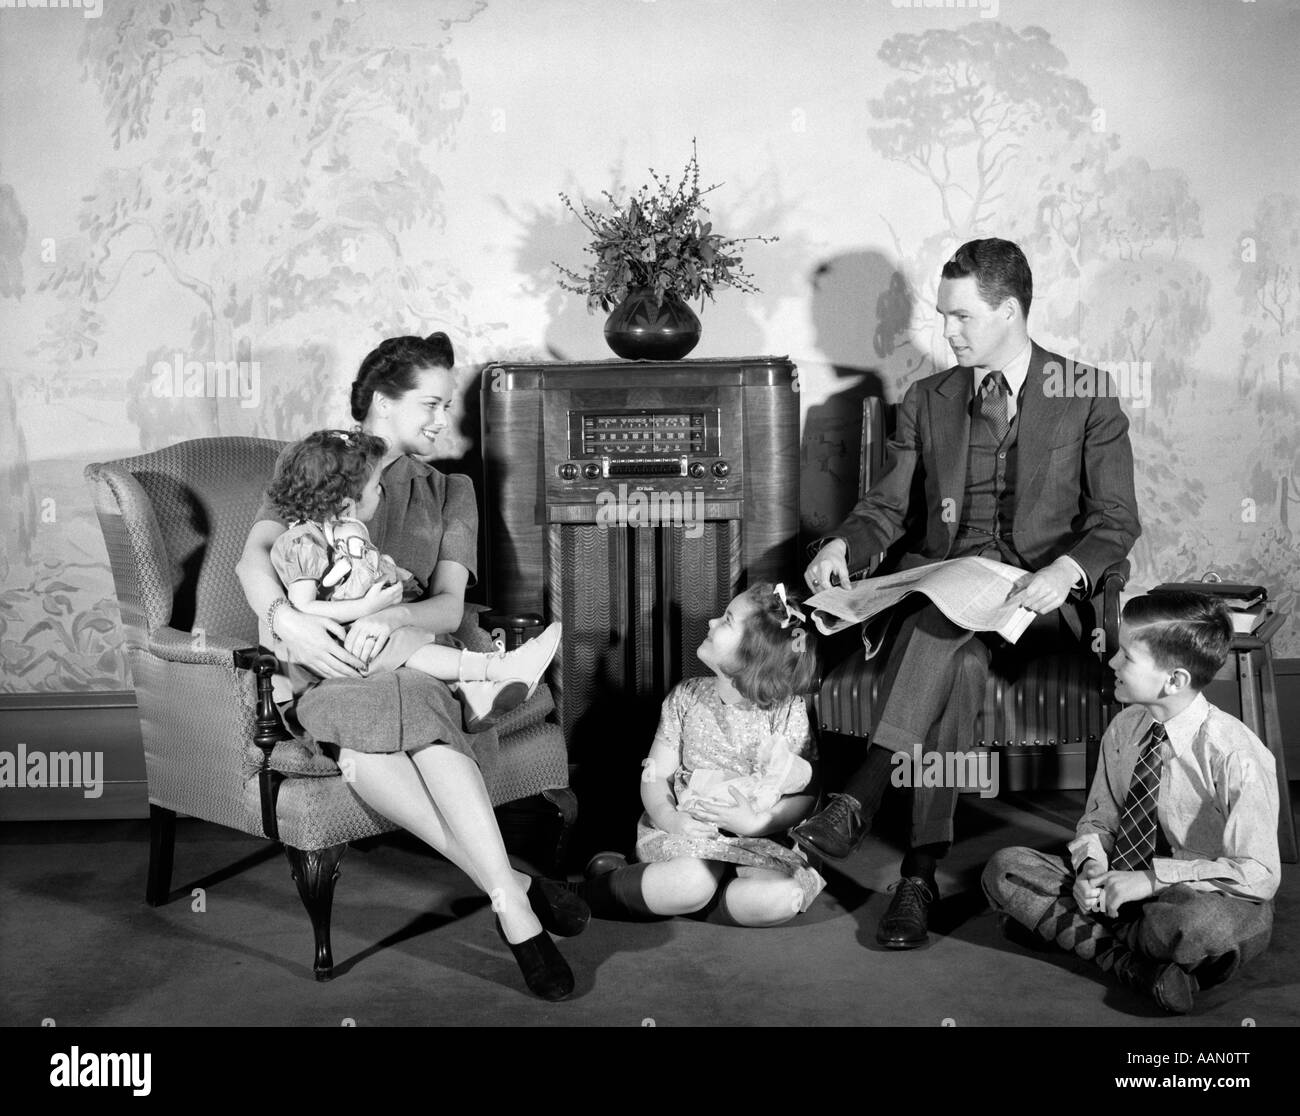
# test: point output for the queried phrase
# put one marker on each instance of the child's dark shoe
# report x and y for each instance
(558, 908)
(603, 863)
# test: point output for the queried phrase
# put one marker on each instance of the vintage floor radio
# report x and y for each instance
(632, 500)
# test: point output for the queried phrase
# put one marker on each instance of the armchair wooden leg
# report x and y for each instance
(315, 872)
(566, 802)
(162, 844)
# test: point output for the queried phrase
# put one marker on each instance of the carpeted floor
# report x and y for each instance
(414, 946)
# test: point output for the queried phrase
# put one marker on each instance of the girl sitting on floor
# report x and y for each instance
(727, 775)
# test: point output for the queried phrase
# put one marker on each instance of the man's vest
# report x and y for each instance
(990, 493)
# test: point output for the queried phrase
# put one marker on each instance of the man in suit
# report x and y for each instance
(1013, 453)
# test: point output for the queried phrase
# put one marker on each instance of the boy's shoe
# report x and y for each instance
(528, 662)
(1169, 984)
(485, 703)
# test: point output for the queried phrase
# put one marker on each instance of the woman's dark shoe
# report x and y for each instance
(557, 908)
(545, 972)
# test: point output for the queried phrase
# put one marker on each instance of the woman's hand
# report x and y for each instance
(368, 636)
(316, 642)
(738, 817)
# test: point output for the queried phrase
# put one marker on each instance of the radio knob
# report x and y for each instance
(591, 470)
(721, 468)
(569, 471)
(697, 469)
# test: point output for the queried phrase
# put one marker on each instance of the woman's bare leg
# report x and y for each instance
(391, 784)
(456, 786)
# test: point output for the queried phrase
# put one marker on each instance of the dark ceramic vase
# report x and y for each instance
(637, 329)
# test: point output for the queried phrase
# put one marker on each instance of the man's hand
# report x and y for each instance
(1118, 888)
(1047, 589)
(316, 642)
(828, 567)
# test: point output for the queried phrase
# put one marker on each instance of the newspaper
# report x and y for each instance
(972, 592)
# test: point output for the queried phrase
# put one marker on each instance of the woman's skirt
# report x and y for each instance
(392, 710)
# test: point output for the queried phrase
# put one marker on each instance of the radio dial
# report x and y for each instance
(697, 469)
(721, 468)
(591, 470)
(569, 471)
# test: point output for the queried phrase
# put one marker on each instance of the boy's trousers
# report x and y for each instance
(1208, 933)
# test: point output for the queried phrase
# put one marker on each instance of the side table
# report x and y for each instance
(1250, 666)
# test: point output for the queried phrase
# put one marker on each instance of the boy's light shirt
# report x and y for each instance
(1218, 802)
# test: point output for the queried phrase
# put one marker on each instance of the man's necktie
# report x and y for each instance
(1136, 842)
(993, 404)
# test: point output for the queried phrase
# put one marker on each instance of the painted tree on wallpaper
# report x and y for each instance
(971, 103)
(1011, 145)
(1267, 263)
(47, 641)
(282, 181)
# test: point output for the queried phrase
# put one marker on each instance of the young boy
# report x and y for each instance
(1175, 859)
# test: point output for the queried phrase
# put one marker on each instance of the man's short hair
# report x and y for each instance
(1000, 270)
(1182, 629)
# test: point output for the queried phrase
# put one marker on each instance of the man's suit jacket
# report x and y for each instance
(1074, 477)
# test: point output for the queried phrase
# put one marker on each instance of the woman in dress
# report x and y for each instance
(412, 761)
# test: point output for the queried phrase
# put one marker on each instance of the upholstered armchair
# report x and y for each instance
(1046, 716)
(174, 524)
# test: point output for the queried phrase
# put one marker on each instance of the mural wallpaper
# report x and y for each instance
(226, 204)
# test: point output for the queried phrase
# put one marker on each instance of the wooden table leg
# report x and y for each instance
(1272, 737)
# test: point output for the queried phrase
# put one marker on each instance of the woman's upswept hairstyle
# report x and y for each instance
(391, 366)
(315, 476)
(778, 651)
(1182, 629)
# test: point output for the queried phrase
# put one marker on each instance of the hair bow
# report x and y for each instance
(792, 612)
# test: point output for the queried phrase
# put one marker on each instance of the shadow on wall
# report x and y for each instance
(861, 306)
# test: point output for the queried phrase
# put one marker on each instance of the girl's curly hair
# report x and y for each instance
(317, 475)
(779, 662)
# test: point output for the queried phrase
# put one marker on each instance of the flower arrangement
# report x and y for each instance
(658, 241)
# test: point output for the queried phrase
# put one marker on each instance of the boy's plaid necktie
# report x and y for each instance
(993, 404)
(1136, 842)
